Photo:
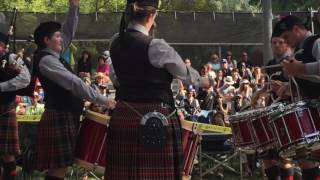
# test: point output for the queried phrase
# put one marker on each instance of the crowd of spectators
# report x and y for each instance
(236, 83)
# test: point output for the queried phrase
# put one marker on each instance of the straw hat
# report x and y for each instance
(228, 80)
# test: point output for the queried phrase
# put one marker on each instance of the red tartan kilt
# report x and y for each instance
(127, 159)
(56, 140)
(9, 138)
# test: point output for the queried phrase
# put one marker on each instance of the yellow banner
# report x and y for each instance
(200, 127)
(215, 128)
(28, 118)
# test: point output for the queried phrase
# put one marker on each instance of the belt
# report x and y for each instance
(163, 105)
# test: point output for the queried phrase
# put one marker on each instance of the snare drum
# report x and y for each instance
(295, 128)
(190, 145)
(264, 137)
(242, 129)
(90, 151)
(314, 107)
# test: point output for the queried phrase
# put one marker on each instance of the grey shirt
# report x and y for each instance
(51, 67)
(22, 80)
(162, 55)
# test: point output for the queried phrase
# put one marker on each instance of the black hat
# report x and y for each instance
(3, 38)
(286, 24)
(45, 29)
(153, 3)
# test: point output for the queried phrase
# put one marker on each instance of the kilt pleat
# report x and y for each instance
(56, 140)
(127, 159)
(9, 137)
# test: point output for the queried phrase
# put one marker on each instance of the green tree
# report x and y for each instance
(89, 6)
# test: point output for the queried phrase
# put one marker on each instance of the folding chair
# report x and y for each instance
(217, 151)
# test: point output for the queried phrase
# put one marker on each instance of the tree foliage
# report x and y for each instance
(87, 6)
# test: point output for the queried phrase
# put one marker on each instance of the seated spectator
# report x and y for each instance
(236, 77)
(245, 72)
(245, 90)
(256, 75)
(232, 63)
(187, 61)
(261, 84)
(219, 104)
(25, 100)
(219, 79)
(245, 60)
(227, 90)
(215, 61)
(21, 109)
(39, 90)
(84, 64)
(180, 93)
(191, 104)
(103, 66)
(204, 71)
(219, 119)
(206, 98)
(211, 73)
(239, 104)
(226, 71)
(36, 108)
(98, 83)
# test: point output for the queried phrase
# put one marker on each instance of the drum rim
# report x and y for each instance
(267, 146)
(295, 109)
(89, 166)
(97, 117)
(253, 113)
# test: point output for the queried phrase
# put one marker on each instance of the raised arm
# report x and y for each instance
(70, 24)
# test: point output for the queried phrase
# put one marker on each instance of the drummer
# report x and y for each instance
(145, 67)
(298, 37)
(64, 94)
(275, 166)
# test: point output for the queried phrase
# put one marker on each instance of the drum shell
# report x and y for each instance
(295, 128)
(264, 137)
(191, 135)
(242, 133)
(91, 146)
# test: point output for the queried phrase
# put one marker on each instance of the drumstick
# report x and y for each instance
(272, 66)
(280, 60)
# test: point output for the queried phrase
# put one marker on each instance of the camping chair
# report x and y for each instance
(216, 151)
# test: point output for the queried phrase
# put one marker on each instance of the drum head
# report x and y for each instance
(315, 103)
(245, 115)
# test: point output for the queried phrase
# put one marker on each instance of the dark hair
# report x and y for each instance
(139, 12)
(83, 53)
(235, 70)
(102, 57)
(46, 29)
(286, 24)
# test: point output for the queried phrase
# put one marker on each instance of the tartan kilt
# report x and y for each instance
(56, 140)
(127, 159)
(9, 137)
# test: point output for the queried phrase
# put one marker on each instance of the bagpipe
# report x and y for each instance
(9, 67)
